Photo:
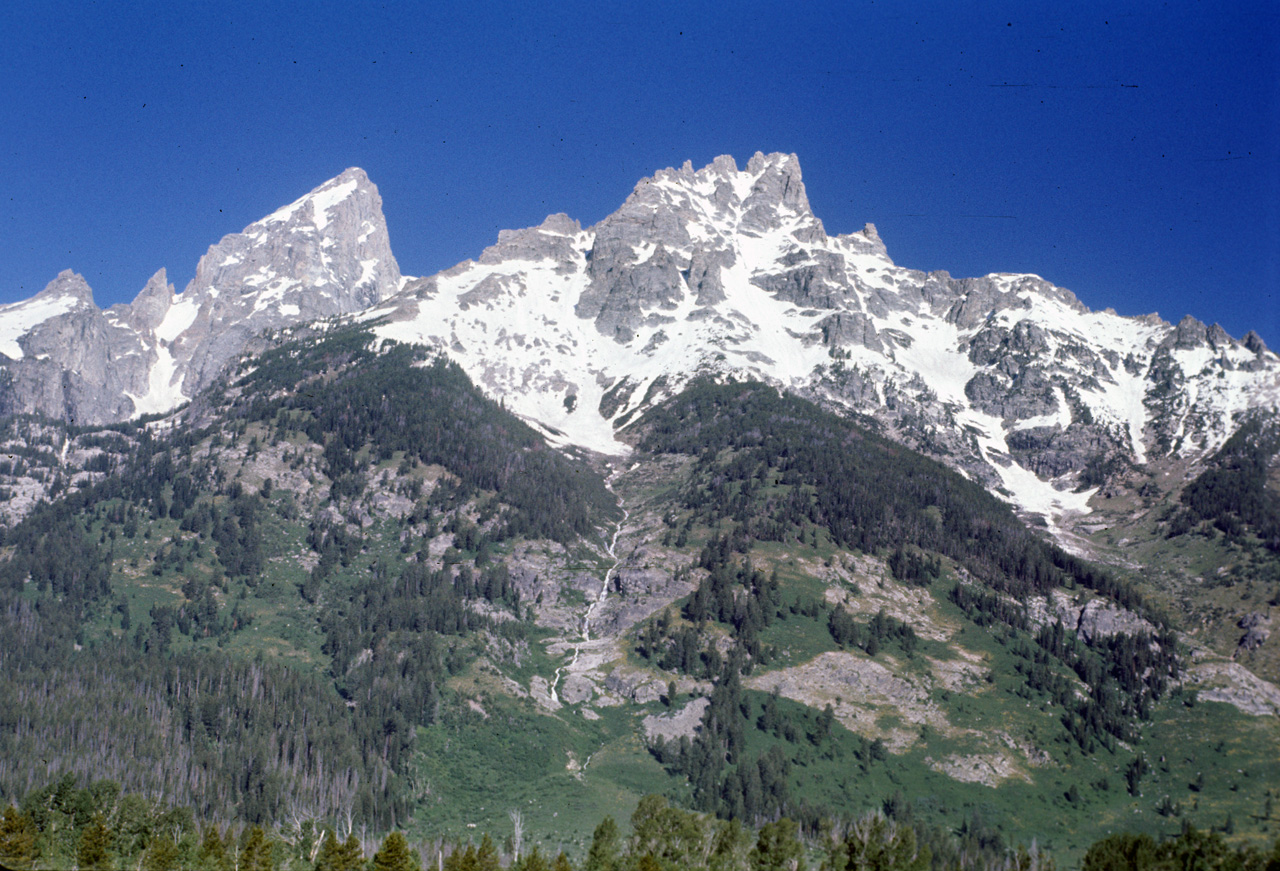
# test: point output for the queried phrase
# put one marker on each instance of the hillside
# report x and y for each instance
(343, 583)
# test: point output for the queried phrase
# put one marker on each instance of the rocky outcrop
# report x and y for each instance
(70, 361)
(1094, 619)
(1054, 451)
(1257, 629)
(1025, 395)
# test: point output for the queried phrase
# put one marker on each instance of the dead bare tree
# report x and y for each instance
(517, 831)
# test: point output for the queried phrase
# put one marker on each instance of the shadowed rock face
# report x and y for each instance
(325, 254)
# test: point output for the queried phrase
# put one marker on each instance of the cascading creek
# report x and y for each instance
(611, 550)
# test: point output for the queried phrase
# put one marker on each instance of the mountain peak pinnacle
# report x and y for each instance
(68, 283)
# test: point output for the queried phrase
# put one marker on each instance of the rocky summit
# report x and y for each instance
(728, 272)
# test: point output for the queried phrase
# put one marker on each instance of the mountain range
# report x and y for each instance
(699, 500)
(717, 271)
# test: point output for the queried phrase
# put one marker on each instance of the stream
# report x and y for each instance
(611, 550)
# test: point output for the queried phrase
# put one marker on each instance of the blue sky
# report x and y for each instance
(1130, 152)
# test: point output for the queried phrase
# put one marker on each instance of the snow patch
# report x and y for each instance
(20, 318)
(164, 387)
(180, 315)
(324, 200)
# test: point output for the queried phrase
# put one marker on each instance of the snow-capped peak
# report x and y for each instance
(728, 272)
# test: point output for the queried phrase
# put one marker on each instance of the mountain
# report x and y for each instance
(715, 271)
(698, 501)
(343, 584)
(728, 272)
(325, 254)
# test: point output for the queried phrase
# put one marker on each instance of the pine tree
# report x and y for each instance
(256, 854)
(605, 844)
(778, 848)
(462, 860)
(95, 844)
(212, 855)
(395, 855)
(161, 855)
(487, 856)
(533, 861)
(351, 857)
(327, 857)
(875, 843)
(17, 836)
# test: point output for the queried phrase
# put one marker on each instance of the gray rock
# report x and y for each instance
(704, 274)
(843, 329)
(552, 240)
(818, 283)
(1027, 394)
(684, 723)
(866, 241)
(777, 193)
(1257, 628)
(151, 304)
(1052, 452)
(1254, 343)
(1189, 333)
(325, 254)
(78, 365)
(622, 290)
(1102, 619)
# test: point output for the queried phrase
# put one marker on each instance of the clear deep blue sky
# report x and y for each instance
(1130, 152)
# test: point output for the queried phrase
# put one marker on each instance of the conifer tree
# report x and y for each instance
(327, 857)
(95, 843)
(17, 836)
(161, 855)
(778, 848)
(487, 856)
(605, 843)
(212, 855)
(395, 855)
(533, 861)
(462, 860)
(256, 854)
(875, 843)
(351, 856)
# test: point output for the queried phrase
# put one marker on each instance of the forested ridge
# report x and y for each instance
(348, 395)
(252, 738)
(1233, 493)
(778, 468)
(781, 467)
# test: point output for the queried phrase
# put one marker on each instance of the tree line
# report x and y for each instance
(99, 827)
